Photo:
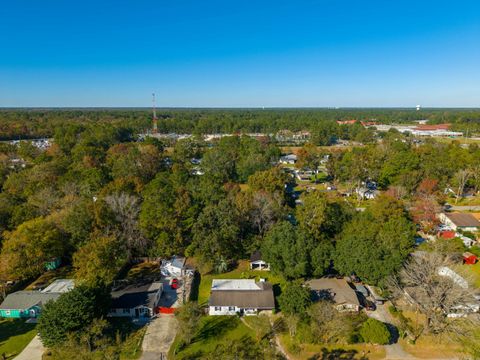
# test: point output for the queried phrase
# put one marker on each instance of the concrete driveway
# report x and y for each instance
(159, 337)
(33, 351)
(393, 351)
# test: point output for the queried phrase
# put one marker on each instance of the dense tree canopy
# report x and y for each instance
(376, 242)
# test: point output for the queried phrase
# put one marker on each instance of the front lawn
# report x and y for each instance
(15, 334)
(241, 272)
(213, 331)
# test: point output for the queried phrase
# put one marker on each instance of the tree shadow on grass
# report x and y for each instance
(215, 327)
(14, 327)
(338, 354)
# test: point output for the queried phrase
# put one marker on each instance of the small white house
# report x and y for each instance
(136, 301)
(257, 263)
(175, 267)
(289, 159)
(365, 193)
(240, 296)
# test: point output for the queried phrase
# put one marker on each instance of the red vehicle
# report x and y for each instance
(174, 283)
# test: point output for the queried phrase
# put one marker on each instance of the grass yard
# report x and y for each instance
(241, 272)
(431, 347)
(15, 334)
(328, 351)
(213, 331)
(471, 272)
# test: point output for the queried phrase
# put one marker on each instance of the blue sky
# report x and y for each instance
(244, 53)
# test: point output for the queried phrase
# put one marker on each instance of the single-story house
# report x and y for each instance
(176, 266)
(365, 193)
(136, 301)
(28, 303)
(257, 263)
(460, 221)
(289, 159)
(240, 296)
(337, 290)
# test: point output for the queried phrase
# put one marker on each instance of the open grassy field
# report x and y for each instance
(15, 334)
(328, 351)
(213, 331)
(242, 271)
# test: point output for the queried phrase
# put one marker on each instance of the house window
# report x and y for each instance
(218, 308)
(231, 308)
(126, 311)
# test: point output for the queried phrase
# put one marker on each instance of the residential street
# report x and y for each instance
(463, 208)
(159, 337)
(33, 351)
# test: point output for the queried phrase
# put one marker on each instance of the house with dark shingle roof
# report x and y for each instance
(240, 296)
(136, 301)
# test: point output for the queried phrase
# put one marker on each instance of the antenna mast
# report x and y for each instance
(154, 119)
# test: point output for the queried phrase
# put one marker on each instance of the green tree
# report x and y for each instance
(72, 312)
(321, 217)
(99, 260)
(286, 249)
(376, 242)
(217, 232)
(168, 213)
(375, 332)
(188, 317)
(295, 299)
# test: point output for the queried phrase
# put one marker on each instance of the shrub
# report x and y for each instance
(375, 332)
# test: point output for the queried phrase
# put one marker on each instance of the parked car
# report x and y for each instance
(174, 283)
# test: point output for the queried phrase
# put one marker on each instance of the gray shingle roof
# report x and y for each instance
(22, 300)
(337, 289)
(255, 299)
(133, 296)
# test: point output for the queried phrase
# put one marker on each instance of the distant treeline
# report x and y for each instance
(33, 123)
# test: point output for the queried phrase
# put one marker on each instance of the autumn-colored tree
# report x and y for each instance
(424, 212)
(26, 249)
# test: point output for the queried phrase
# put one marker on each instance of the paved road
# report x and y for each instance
(463, 208)
(33, 351)
(159, 337)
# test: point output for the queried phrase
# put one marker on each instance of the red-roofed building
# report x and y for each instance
(469, 258)
(433, 127)
(368, 123)
(448, 234)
